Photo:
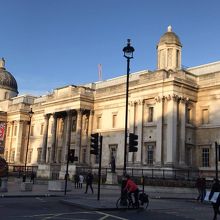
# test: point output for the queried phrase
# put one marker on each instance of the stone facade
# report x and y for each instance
(173, 111)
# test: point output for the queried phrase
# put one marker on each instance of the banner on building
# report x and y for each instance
(2, 131)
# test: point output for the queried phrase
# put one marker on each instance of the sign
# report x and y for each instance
(214, 197)
(2, 131)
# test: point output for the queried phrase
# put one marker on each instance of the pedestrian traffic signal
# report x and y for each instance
(94, 144)
(133, 142)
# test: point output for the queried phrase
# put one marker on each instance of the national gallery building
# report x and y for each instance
(174, 112)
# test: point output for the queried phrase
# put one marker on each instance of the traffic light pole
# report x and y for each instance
(216, 160)
(100, 167)
(67, 172)
(126, 117)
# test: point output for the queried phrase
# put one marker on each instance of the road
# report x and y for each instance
(51, 208)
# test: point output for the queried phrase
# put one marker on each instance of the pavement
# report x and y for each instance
(108, 194)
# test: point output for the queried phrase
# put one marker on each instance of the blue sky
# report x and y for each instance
(53, 43)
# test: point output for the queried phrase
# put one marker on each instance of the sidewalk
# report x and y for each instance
(108, 194)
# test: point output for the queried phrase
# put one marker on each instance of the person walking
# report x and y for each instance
(76, 180)
(216, 204)
(81, 179)
(89, 180)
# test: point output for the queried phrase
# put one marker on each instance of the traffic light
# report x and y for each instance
(95, 144)
(133, 142)
(72, 155)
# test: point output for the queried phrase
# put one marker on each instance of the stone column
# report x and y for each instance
(18, 145)
(79, 133)
(67, 136)
(53, 138)
(140, 131)
(182, 138)
(171, 130)
(159, 131)
(45, 137)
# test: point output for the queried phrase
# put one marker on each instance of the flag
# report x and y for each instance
(100, 71)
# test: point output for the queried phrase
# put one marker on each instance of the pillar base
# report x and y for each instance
(71, 171)
(111, 178)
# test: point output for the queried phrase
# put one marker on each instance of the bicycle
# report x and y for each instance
(129, 204)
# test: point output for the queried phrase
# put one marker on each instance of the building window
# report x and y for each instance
(39, 151)
(41, 129)
(59, 156)
(177, 58)
(205, 116)
(114, 120)
(150, 114)
(9, 130)
(15, 130)
(13, 156)
(99, 122)
(32, 130)
(150, 154)
(188, 115)
(205, 157)
(6, 95)
(84, 155)
(74, 123)
(29, 156)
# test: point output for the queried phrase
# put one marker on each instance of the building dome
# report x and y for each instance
(170, 38)
(7, 80)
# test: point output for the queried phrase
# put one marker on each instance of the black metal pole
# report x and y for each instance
(25, 164)
(216, 160)
(126, 117)
(100, 167)
(67, 172)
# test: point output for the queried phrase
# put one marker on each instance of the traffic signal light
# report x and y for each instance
(94, 144)
(133, 142)
(72, 155)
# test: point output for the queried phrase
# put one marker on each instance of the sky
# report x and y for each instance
(48, 44)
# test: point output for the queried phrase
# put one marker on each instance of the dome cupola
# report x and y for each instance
(8, 84)
(169, 51)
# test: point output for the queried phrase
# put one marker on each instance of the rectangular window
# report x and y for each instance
(74, 123)
(12, 156)
(32, 130)
(150, 155)
(99, 122)
(205, 157)
(84, 155)
(114, 120)
(39, 151)
(188, 115)
(150, 114)
(29, 156)
(205, 116)
(9, 130)
(41, 129)
(15, 130)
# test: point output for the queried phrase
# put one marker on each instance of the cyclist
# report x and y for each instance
(132, 188)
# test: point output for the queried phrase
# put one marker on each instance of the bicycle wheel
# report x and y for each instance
(145, 205)
(120, 204)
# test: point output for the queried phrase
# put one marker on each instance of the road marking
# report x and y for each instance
(40, 199)
(108, 215)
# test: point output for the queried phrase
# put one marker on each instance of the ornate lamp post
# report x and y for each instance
(30, 113)
(128, 54)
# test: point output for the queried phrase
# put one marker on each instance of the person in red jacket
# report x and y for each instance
(132, 188)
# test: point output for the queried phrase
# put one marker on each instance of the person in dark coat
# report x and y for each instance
(76, 180)
(89, 180)
(215, 205)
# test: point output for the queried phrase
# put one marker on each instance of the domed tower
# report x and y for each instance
(169, 51)
(8, 84)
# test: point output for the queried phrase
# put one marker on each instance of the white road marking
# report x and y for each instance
(108, 215)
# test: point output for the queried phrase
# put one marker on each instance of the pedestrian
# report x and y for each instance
(216, 204)
(89, 180)
(32, 177)
(203, 188)
(81, 179)
(76, 180)
(199, 187)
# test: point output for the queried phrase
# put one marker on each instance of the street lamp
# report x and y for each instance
(128, 54)
(30, 114)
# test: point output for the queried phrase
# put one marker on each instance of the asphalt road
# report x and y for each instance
(50, 208)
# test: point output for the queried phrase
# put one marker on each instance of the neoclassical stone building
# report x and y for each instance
(174, 111)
